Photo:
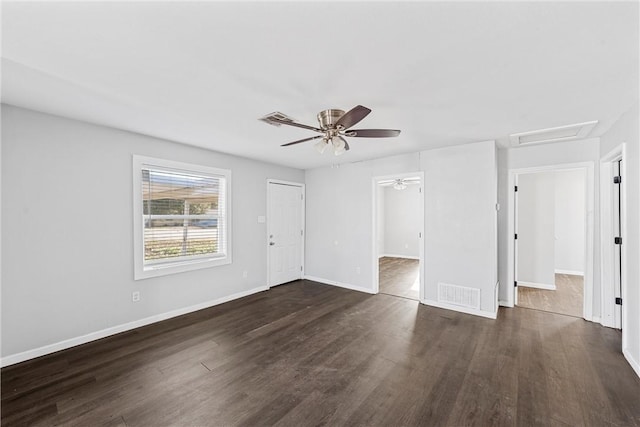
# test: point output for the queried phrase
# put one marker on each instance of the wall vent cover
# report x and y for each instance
(276, 115)
(557, 134)
(459, 295)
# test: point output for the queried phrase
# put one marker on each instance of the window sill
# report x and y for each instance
(148, 271)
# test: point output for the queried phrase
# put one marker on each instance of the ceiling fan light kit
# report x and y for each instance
(335, 124)
(399, 185)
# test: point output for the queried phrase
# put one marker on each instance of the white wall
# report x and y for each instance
(340, 250)
(569, 221)
(402, 221)
(380, 221)
(627, 130)
(460, 220)
(536, 218)
(67, 231)
(460, 193)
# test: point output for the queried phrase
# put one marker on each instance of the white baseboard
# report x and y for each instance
(504, 304)
(595, 319)
(72, 342)
(537, 285)
(340, 284)
(633, 362)
(570, 272)
(460, 309)
(398, 256)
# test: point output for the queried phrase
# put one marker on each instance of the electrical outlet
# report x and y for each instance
(135, 296)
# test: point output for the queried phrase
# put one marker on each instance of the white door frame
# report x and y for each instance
(374, 216)
(607, 250)
(588, 167)
(302, 224)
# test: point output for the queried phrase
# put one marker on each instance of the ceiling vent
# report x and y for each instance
(561, 133)
(269, 118)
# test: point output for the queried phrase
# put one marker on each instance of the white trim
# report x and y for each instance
(482, 313)
(72, 342)
(537, 285)
(583, 130)
(503, 303)
(374, 229)
(633, 362)
(340, 284)
(589, 167)
(399, 256)
(145, 271)
(569, 272)
(608, 307)
(302, 225)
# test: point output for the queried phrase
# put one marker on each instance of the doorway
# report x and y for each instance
(550, 228)
(285, 231)
(398, 245)
(551, 250)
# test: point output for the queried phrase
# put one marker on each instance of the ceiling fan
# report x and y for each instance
(400, 183)
(334, 126)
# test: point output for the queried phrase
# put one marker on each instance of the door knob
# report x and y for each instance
(271, 243)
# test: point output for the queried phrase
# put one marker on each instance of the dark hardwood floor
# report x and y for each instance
(567, 298)
(311, 354)
(399, 276)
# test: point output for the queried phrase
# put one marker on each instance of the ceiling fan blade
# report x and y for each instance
(346, 144)
(372, 133)
(301, 140)
(298, 125)
(352, 117)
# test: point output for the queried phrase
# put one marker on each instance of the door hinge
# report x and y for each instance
(420, 235)
(516, 236)
(515, 284)
(617, 240)
(618, 301)
(617, 179)
(300, 268)
(515, 188)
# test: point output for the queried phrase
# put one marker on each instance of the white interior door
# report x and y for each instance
(535, 230)
(285, 232)
(617, 232)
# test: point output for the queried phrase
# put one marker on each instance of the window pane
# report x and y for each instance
(164, 239)
(182, 215)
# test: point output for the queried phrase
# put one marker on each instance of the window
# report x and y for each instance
(181, 216)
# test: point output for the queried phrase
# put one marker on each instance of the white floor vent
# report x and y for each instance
(459, 295)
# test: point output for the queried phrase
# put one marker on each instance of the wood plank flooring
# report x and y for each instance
(306, 354)
(566, 299)
(399, 276)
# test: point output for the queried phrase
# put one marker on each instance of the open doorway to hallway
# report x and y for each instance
(399, 276)
(551, 218)
(398, 235)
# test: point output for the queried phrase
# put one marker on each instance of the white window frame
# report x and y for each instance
(144, 270)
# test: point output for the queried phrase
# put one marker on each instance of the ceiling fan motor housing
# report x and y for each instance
(328, 118)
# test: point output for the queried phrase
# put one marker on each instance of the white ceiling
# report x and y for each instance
(203, 73)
